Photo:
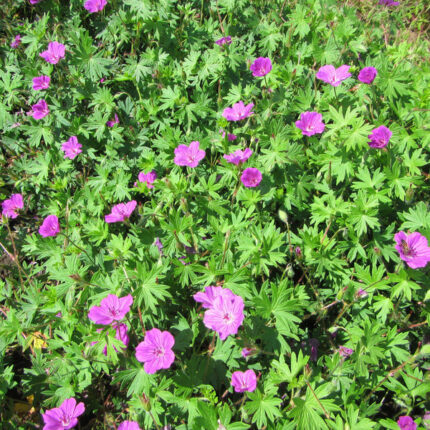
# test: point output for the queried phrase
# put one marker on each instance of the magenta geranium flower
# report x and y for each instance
(12, 205)
(189, 155)
(55, 52)
(388, 3)
(333, 76)
(16, 41)
(405, 422)
(367, 75)
(34, 1)
(93, 6)
(41, 82)
(261, 66)
(238, 112)
(344, 351)
(50, 226)
(207, 297)
(413, 249)
(113, 122)
(147, 178)
(156, 350)
(244, 381)
(112, 308)
(65, 417)
(129, 425)
(251, 177)
(121, 212)
(40, 110)
(223, 41)
(71, 148)
(379, 137)
(238, 156)
(225, 316)
(310, 123)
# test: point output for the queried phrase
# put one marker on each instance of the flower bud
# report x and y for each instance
(146, 402)
(283, 216)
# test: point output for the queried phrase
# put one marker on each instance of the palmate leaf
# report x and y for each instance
(417, 219)
(308, 412)
(264, 408)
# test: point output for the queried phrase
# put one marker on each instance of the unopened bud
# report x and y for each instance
(146, 402)
(283, 216)
(409, 195)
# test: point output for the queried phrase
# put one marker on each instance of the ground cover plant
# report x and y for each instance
(214, 214)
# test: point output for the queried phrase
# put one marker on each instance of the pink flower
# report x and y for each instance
(11, 205)
(261, 66)
(310, 123)
(40, 109)
(251, 177)
(34, 1)
(50, 226)
(189, 155)
(238, 112)
(244, 381)
(16, 41)
(112, 308)
(238, 156)
(367, 75)
(121, 212)
(413, 249)
(95, 5)
(389, 3)
(65, 417)
(55, 52)
(41, 82)
(333, 76)
(223, 41)
(405, 422)
(113, 122)
(207, 298)
(344, 351)
(71, 148)
(225, 316)
(380, 137)
(148, 178)
(129, 425)
(156, 350)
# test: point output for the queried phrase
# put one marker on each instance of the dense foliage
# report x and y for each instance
(331, 313)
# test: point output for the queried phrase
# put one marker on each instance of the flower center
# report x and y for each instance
(159, 351)
(410, 252)
(228, 318)
(65, 421)
(113, 312)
